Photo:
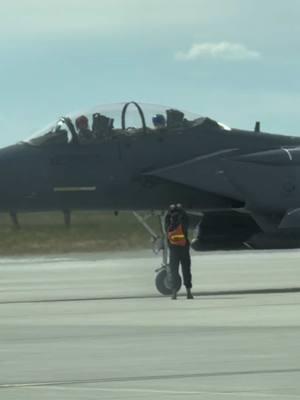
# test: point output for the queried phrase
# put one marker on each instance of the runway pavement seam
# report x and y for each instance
(150, 378)
(155, 296)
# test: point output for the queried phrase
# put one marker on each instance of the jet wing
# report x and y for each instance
(204, 173)
(265, 183)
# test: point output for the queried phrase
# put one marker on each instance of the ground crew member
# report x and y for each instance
(177, 224)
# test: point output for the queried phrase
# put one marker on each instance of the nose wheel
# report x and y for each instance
(163, 282)
(160, 244)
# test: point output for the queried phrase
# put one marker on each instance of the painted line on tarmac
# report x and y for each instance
(150, 378)
(234, 292)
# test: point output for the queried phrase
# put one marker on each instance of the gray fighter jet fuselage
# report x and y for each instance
(198, 162)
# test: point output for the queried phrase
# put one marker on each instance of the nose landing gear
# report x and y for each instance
(163, 282)
(160, 243)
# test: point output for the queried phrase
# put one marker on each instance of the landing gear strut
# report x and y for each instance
(160, 243)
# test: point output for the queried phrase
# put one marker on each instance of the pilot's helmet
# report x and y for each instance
(82, 122)
(159, 121)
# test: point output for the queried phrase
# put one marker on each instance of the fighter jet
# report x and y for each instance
(242, 186)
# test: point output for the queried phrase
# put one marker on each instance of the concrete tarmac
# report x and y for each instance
(94, 327)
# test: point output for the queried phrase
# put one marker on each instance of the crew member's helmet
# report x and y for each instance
(172, 207)
(159, 121)
(175, 209)
(82, 122)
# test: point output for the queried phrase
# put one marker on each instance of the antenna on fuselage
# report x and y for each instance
(257, 127)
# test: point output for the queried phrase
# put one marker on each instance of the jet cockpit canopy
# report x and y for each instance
(107, 121)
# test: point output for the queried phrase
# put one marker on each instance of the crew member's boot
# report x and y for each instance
(174, 294)
(189, 294)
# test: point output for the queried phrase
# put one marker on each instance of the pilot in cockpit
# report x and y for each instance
(159, 121)
(84, 132)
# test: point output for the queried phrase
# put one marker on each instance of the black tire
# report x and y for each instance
(162, 283)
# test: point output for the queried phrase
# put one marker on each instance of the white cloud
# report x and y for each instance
(221, 50)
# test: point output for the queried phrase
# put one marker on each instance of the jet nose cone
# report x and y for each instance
(21, 174)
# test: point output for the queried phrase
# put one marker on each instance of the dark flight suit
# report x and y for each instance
(179, 254)
(85, 135)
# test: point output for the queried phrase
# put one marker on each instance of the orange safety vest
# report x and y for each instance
(176, 237)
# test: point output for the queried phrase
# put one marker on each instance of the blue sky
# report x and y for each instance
(234, 60)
